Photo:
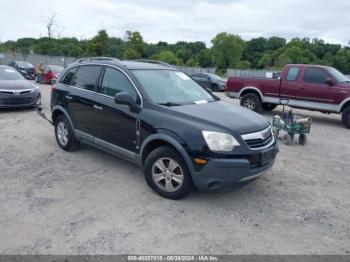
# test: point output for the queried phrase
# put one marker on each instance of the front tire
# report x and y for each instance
(268, 107)
(346, 117)
(64, 134)
(167, 174)
(214, 88)
(252, 101)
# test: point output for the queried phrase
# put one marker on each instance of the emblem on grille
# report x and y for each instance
(16, 92)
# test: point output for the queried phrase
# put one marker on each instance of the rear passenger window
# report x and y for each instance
(293, 74)
(115, 82)
(67, 79)
(315, 75)
(86, 77)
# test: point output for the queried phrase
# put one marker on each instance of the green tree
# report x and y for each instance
(244, 64)
(342, 60)
(168, 57)
(227, 50)
(254, 50)
(135, 46)
(275, 43)
(204, 58)
(97, 46)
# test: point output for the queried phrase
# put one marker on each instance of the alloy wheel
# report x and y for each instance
(167, 174)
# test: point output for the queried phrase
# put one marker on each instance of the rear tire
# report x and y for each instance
(167, 174)
(64, 134)
(346, 117)
(252, 102)
(268, 107)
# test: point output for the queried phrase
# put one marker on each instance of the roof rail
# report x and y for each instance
(152, 62)
(92, 59)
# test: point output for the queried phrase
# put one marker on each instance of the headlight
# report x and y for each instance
(35, 89)
(221, 142)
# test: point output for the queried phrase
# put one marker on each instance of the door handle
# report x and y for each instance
(69, 97)
(301, 87)
(98, 107)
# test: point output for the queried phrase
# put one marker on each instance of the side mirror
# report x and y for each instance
(329, 81)
(124, 98)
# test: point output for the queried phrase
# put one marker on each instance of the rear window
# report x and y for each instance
(293, 74)
(315, 75)
(86, 77)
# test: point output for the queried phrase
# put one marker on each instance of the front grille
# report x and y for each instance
(16, 101)
(259, 139)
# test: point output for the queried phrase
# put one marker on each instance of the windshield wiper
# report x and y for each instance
(169, 104)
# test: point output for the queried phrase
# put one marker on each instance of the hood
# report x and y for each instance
(222, 116)
(15, 85)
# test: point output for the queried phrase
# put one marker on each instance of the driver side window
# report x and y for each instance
(115, 82)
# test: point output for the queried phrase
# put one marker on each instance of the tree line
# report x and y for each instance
(227, 50)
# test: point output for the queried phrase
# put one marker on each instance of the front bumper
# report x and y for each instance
(222, 174)
(18, 101)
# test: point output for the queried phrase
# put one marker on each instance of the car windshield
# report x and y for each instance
(214, 76)
(56, 69)
(24, 64)
(10, 74)
(338, 75)
(172, 88)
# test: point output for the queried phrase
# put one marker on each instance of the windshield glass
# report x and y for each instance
(24, 64)
(338, 75)
(56, 69)
(9, 74)
(171, 87)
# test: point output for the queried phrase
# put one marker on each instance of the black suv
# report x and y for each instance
(159, 118)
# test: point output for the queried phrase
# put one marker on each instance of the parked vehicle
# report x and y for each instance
(209, 80)
(160, 119)
(51, 73)
(26, 69)
(15, 91)
(312, 87)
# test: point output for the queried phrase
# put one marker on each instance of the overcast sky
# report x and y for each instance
(176, 20)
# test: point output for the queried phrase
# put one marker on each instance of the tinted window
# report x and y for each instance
(86, 77)
(293, 74)
(67, 79)
(115, 82)
(315, 75)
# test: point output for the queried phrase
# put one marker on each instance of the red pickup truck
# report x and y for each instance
(312, 87)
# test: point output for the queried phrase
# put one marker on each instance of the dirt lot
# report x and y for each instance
(89, 202)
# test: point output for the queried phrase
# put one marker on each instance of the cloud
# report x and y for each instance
(176, 20)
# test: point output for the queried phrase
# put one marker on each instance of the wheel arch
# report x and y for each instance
(157, 140)
(250, 89)
(59, 110)
(345, 104)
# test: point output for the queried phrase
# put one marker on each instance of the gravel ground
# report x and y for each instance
(89, 202)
